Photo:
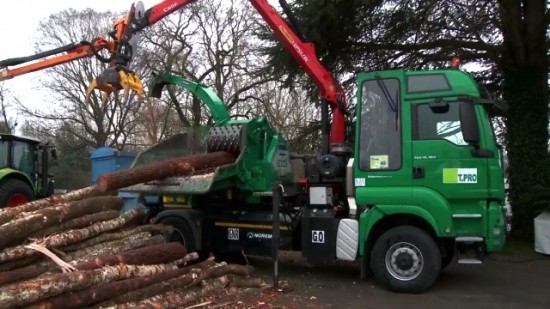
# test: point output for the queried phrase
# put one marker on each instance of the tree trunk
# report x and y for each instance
(159, 228)
(20, 228)
(525, 72)
(179, 297)
(185, 277)
(169, 168)
(152, 254)
(19, 263)
(30, 291)
(130, 243)
(77, 223)
(73, 236)
(6, 214)
(96, 294)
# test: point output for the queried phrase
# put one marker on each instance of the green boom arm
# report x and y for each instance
(205, 94)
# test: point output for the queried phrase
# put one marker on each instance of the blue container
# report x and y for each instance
(107, 160)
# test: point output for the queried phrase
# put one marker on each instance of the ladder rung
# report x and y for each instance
(469, 239)
(469, 261)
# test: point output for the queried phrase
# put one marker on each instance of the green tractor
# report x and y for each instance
(24, 164)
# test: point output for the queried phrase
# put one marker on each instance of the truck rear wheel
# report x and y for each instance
(406, 259)
(182, 233)
(14, 192)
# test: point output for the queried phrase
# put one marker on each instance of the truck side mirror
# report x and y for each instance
(468, 123)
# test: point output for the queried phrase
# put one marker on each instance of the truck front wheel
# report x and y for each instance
(406, 259)
(14, 192)
(182, 232)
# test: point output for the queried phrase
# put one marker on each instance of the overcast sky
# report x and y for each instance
(18, 31)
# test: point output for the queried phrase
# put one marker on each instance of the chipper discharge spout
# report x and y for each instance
(260, 153)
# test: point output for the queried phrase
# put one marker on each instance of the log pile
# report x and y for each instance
(78, 251)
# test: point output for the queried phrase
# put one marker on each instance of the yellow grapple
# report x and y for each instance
(113, 80)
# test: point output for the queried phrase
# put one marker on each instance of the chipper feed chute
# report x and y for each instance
(193, 141)
(261, 153)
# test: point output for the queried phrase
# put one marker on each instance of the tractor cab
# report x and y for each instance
(24, 164)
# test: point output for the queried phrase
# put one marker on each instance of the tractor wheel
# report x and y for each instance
(406, 259)
(182, 232)
(14, 192)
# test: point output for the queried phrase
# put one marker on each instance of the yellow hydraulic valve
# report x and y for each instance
(115, 79)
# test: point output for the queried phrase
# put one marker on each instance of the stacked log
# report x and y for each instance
(79, 251)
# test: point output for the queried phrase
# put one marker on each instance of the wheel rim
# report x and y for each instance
(177, 235)
(16, 200)
(404, 261)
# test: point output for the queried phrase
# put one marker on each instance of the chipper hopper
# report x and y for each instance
(262, 155)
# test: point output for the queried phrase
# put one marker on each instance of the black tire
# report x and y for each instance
(447, 256)
(182, 233)
(11, 187)
(406, 259)
(446, 261)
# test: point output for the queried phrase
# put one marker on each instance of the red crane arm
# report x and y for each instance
(304, 54)
(163, 9)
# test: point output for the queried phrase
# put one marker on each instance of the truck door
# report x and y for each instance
(383, 172)
(445, 163)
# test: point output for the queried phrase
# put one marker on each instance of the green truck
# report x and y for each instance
(423, 183)
(406, 182)
(24, 164)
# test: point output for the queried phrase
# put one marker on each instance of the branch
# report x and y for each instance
(441, 43)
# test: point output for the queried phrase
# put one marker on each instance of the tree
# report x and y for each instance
(507, 39)
(211, 43)
(7, 123)
(72, 169)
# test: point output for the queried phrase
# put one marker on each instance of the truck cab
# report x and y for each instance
(427, 169)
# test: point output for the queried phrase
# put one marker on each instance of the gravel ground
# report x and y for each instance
(501, 282)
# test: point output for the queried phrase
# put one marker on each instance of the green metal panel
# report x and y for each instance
(449, 185)
(8, 172)
(204, 93)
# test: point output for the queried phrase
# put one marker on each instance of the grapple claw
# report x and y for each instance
(113, 79)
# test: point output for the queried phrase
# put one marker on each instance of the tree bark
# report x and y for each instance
(184, 281)
(19, 263)
(96, 294)
(160, 228)
(73, 236)
(169, 168)
(152, 254)
(77, 223)
(129, 243)
(179, 297)
(6, 214)
(21, 227)
(524, 66)
(30, 291)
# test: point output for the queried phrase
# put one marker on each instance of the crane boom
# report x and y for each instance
(304, 53)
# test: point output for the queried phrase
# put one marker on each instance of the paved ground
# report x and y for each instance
(499, 283)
